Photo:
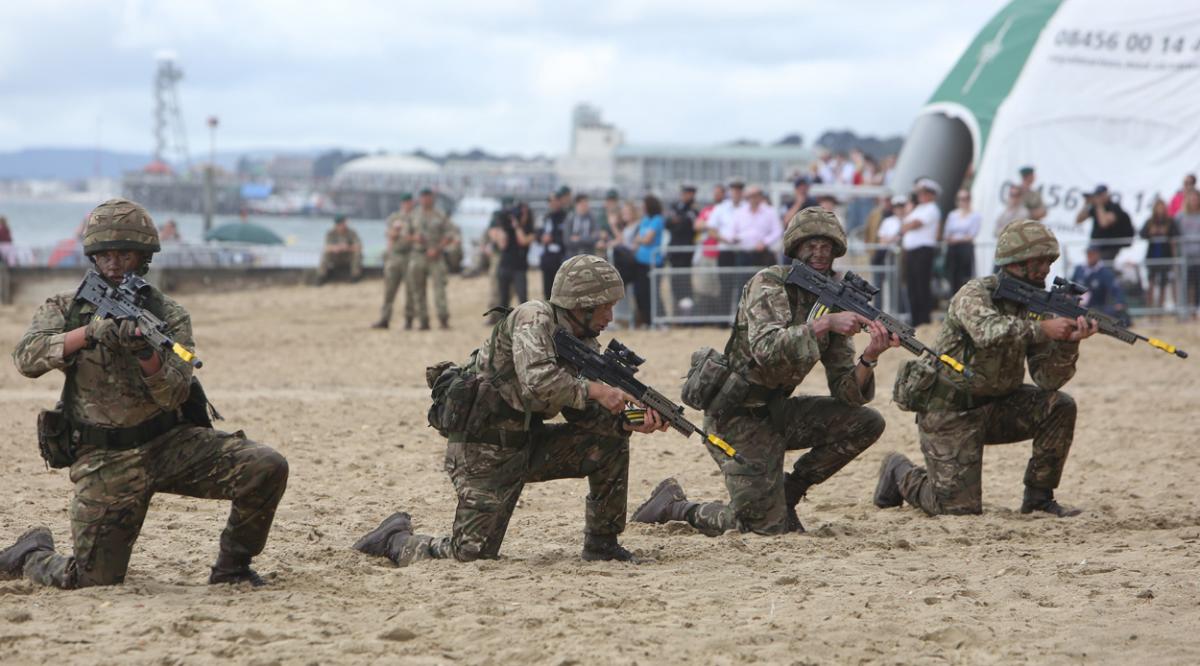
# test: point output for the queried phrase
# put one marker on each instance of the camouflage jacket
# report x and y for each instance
(109, 387)
(996, 337)
(521, 362)
(432, 229)
(399, 226)
(348, 237)
(774, 348)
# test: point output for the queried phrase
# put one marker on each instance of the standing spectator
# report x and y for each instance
(6, 233)
(962, 225)
(582, 231)
(887, 245)
(758, 230)
(1189, 229)
(512, 233)
(622, 255)
(1103, 289)
(610, 216)
(707, 283)
(721, 221)
(1111, 227)
(803, 199)
(920, 231)
(648, 241)
(1162, 231)
(1180, 198)
(1014, 210)
(168, 234)
(1030, 197)
(552, 240)
(342, 251)
(682, 226)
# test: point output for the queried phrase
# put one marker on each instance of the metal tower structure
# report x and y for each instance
(170, 139)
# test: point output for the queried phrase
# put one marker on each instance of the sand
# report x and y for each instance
(346, 405)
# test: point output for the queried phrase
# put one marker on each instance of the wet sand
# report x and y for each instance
(346, 405)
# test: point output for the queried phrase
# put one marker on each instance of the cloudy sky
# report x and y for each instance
(500, 74)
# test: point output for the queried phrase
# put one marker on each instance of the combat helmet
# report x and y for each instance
(811, 222)
(585, 281)
(120, 224)
(1025, 239)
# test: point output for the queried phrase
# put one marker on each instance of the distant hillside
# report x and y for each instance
(67, 163)
(845, 140)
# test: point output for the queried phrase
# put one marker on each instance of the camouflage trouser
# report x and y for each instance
(351, 261)
(420, 269)
(488, 479)
(953, 446)
(833, 431)
(394, 268)
(113, 490)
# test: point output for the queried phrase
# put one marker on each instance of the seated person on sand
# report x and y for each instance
(771, 350)
(524, 386)
(995, 338)
(342, 252)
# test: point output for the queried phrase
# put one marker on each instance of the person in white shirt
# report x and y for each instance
(962, 225)
(722, 221)
(887, 237)
(920, 242)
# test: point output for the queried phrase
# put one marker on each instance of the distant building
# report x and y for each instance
(589, 164)
(664, 168)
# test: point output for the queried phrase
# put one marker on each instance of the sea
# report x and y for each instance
(43, 223)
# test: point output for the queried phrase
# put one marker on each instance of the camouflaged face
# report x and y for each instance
(810, 222)
(120, 224)
(586, 281)
(1025, 239)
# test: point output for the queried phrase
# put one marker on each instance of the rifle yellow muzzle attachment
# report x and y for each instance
(724, 446)
(186, 355)
(956, 365)
(1169, 348)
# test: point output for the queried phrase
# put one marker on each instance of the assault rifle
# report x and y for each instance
(616, 366)
(125, 301)
(854, 294)
(1063, 301)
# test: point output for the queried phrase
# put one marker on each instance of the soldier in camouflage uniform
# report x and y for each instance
(490, 468)
(395, 262)
(432, 234)
(995, 338)
(122, 401)
(343, 250)
(773, 349)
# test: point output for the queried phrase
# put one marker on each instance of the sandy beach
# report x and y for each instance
(298, 369)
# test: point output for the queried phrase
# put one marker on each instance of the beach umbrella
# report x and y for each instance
(244, 232)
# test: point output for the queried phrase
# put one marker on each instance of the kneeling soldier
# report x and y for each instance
(129, 437)
(996, 338)
(771, 350)
(522, 384)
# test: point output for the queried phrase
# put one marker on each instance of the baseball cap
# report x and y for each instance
(929, 184)
(1025, 170)
(1100, 189)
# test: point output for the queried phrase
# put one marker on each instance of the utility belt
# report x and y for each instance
(496, 436)
(125, 438)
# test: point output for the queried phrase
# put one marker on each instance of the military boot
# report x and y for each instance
(375, 542)
(408, 323)
(12, 559)
(445, 322)
(604, 548)
(667, 502)
(793, 491)
(1042, 499)
(382, 323)
(424, 324)
(887, 490)
(232, 570)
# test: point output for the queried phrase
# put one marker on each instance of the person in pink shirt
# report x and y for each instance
(1177, 201)
(757, 230)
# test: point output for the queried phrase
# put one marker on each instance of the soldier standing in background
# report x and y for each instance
(995, 338)
(395, 261)
(128, 437)
(525, 386)
(343, 250)
(432, 234)
(682, 226)
(772, 349)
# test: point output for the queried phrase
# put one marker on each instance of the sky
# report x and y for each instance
(455, 74)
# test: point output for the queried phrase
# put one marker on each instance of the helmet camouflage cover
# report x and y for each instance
(1025, 239)
(585, 281)
(119, 224)
(810, 223)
